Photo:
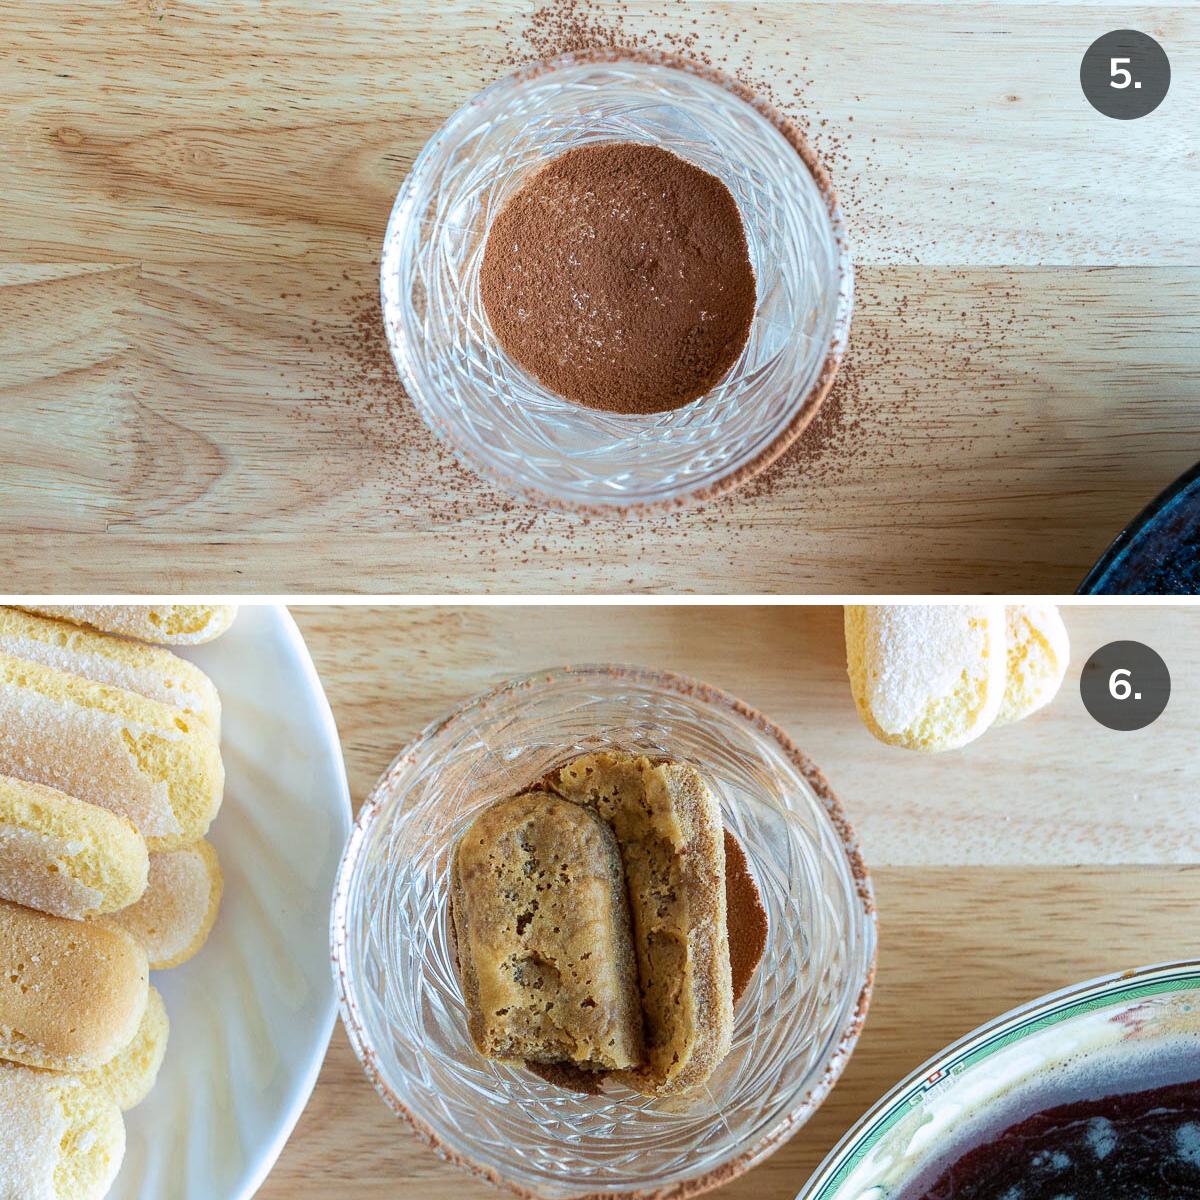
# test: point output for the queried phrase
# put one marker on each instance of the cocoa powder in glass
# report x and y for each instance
(619, 277)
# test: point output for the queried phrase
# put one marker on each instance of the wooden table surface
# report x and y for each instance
(1043, 854)
(193, 395)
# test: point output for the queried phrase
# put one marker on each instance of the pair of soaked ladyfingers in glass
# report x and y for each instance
(590, 921)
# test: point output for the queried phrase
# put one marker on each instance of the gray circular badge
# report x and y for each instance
(1125, 74)
(1125, 685)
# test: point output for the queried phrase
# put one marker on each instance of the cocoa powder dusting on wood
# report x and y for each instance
(853, 439)
(618, 276)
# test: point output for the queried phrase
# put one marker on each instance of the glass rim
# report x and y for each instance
(864, 911)
(801, 410)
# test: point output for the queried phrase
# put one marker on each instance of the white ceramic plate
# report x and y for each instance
(252, 1013)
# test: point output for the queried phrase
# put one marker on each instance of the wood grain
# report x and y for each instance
(192, 397)
(947, 964)
(1061, 789)
(1037, 857)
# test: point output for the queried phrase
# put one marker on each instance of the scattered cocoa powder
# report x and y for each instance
(618, 276)
(878, 404)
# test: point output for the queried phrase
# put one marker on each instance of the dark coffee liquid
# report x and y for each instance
(1137, 1146)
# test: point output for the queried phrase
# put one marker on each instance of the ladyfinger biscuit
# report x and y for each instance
(167, 624)
(149, 671)
(1038, 653)
(59, 1138)
(72, 993)
(927, 677)
(145, 761)
(175, 915)
(65, 856)
(671, 837)
(538, 904)
(128, 1078)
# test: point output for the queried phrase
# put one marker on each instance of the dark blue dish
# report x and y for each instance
(1158, 553)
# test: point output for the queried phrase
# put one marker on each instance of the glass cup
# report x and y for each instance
(497, 417)
(794, 1028)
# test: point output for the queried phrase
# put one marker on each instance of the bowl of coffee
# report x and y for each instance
(1091, 1092)
(616, 284)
